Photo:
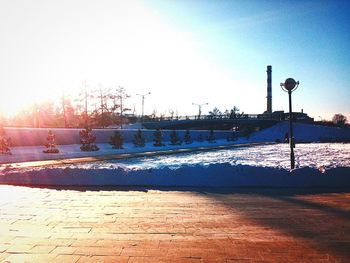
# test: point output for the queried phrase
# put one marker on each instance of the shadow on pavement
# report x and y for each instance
(313, 217)
(269, 191)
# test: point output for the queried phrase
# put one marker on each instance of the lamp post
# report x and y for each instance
(289, 86)
(199, 108)
(143, 102)
(121, 94)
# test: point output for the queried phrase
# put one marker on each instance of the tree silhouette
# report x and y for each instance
(339, 119)
(87, 140)
(215, 113)
(117, 140)
(4, 142)
(174, 138)
(211, 136)
(139, 139)
(200, 138)
(157, 138)
(51, 143)
(187, 137)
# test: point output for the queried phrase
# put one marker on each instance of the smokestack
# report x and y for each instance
(269, 90)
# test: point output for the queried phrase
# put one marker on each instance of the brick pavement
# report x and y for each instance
(173, 225)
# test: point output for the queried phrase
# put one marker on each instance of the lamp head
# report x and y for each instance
(290, 85)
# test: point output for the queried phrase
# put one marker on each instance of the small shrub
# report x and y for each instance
(174, 138)
(51, 143)
(139, 139)
(200, 138)
(187, 137)
(211, 136)
(5, 142)
(158, 138)
(117, 140)
(87, 140)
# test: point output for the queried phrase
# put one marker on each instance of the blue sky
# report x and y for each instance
(307, 40)
(183, 52)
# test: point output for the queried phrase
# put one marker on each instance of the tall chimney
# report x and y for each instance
(269, 90)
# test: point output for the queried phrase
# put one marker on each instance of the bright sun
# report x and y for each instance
(12, 104)
(139, 51)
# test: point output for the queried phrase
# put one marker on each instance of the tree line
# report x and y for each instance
(100, 107)
(88, 140)
(96, 108)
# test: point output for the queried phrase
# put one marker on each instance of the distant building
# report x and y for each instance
(282, 116)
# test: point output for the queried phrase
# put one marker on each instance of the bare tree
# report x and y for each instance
(103, 96)
(339, 119)
(171, 114)
(154, 113)
(84, 99)
(121, 96)
(67, 109)
(105, 104)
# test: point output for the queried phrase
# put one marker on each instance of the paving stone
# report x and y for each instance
(20, 249)
(98, 251)
(174, 225)
(64, 250)
(103, 259)
(20, 258)
(41, 249)
(66, 259)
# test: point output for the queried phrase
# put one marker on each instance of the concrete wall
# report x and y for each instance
(37, 136)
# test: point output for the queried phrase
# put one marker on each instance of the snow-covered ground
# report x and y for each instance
(303, 133)
(317, 164)
(315, 155)
(35, 153)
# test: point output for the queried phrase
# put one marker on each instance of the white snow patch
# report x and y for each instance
(35, 153)
(246, 166)
(324, 164)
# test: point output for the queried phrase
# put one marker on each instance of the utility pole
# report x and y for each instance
(36, 115)
(101, 105)
(64, 109)
(86, 104)
(200, 108)
(121, 94)
(143, 102)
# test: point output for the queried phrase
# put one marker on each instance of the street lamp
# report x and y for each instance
(289, 86)
(199, 108)
(143, 102)
(121, 94)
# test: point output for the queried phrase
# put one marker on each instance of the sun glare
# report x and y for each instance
(13, 103)
(141, 52)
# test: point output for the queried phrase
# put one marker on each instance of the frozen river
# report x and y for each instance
(313, 155)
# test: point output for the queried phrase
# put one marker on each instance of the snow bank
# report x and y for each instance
(214, 175)
(264, 165)
(302, 133)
